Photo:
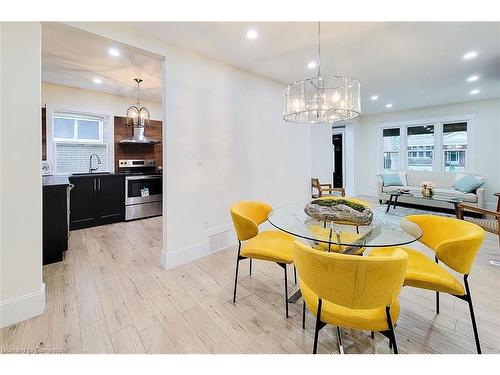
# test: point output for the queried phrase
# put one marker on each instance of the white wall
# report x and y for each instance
(484, 142)
(225, 141)
(322, 153)
(21, 288)
(65, 98)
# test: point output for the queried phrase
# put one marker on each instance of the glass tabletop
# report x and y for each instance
(384, 231)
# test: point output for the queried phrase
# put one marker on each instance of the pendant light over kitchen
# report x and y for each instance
(140, 117)
(322, 99)
(138, 113)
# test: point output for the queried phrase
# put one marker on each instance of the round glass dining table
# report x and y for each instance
(384, 231)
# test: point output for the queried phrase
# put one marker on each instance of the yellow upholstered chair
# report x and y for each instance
(455, 243)
(351, 291)
(270, 245)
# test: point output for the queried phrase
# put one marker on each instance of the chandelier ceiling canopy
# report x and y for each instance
(322, 99)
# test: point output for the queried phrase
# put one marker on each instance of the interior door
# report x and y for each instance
(338, 162)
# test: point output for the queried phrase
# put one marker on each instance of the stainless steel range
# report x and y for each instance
(143, 188)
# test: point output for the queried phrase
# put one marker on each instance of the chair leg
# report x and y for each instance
(392, 339)
(304, 315)
(250, 266)
(318, 327)
(339, 338)
(372, 334)
(437, 293)
(472, 316)
(286, 289)
(236, 276)
(295, 274)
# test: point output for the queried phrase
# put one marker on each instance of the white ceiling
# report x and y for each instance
(410, 65)
(72, 57)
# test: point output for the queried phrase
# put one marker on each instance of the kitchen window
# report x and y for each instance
(75, 137)
(78, 129)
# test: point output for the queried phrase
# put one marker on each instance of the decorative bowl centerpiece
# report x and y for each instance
(427, 188)
(340, 210)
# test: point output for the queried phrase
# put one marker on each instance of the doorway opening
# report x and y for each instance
(338, 141)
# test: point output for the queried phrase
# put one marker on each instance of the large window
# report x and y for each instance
(77, 129)
(420, 145)
(454, 146)
(441, 145)
(391, 149)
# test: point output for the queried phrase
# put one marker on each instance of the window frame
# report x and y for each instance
(438, 157)
(76, 117)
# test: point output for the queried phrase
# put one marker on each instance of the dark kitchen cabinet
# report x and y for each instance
(96, 200)
(111, 199)
(55, 223)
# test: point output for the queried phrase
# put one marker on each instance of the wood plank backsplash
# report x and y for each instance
(140, 151)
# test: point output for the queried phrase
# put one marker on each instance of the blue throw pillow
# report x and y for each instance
(391, 179)
(468, 184)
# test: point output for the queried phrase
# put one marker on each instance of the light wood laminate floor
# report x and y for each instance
(110, 295)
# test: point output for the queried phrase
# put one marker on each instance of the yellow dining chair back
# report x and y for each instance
(454, 241)
(247, 216)
(269, 245)
(351, 291)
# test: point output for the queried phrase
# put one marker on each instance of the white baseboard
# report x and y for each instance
(21, 308)
(222, 236)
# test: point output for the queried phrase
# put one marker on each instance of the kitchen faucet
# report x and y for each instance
(90, 163)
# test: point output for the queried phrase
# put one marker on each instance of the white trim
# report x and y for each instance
(23, 307)
(174, 258)
(428, 120)
(342, 132)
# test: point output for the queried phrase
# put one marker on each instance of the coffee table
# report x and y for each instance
(394, 195)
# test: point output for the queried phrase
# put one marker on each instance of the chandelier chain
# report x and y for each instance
(319, 49)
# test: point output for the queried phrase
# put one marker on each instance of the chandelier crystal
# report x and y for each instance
(322, 99)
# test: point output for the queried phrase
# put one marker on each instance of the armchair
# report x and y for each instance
(324, 188)
(490, 221)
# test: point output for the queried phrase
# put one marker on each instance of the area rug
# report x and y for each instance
(392, 218)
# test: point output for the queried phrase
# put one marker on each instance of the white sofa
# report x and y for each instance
(444, 182)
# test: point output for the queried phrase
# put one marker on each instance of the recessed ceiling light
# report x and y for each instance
(469, 55)
(374, 97)
(389, 105)
(114, 52)
(311, 65)
(97, 81)
(472, 78)
(252, 34)
(474, 92)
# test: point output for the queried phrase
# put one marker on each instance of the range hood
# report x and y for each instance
(139, 138)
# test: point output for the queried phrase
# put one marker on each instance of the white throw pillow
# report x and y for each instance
(402, 176)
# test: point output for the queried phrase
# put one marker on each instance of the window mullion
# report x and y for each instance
(438, 147)
(75, 129)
